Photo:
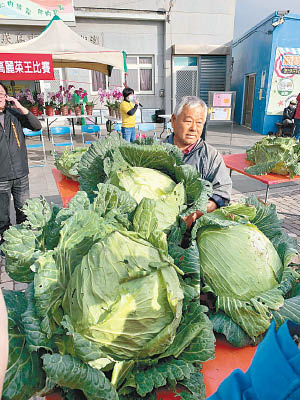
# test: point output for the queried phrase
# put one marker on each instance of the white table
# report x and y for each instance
(165, 117)
(113, 119)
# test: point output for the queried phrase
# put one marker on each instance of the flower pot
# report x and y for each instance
(49, 110)
(64, 110)
(57, 112)
(34, 110)
(118, 113)
(111, 112)
(89, 110)
(77, 110)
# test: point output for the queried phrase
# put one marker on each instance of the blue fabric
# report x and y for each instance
(274, 373)
(297, 128)
(128, 134)
(220, 201)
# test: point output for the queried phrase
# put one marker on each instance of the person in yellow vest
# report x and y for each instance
(128, 109)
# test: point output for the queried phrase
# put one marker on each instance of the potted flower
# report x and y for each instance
(117, 95)
(80, 97)
(31, 100)
(63, 97)
(89, 105)
(112, 100)
(105, 97)
(50, 104)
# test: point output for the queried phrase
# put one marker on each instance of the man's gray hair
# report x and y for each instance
(190, 102)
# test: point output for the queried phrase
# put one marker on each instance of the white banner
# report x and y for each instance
(286, 80)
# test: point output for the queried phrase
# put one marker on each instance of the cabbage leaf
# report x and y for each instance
(278, 155)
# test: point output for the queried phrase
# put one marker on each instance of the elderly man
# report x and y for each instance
(188, 120)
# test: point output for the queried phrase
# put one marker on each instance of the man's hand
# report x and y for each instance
(211, 206)
(17, 105)
(190, 219)
(136, 102)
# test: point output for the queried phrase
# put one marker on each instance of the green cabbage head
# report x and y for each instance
(238, 261)
(241, 267)
(125, 296)
(149, 183)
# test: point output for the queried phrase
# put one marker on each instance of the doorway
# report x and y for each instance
(249, 99)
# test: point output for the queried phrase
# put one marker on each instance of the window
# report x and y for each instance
(185, 61)
(101, 81)
(98, 81)
(140, 74)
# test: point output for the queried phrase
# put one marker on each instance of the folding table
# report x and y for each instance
(238, 163)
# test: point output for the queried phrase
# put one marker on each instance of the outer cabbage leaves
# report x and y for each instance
(91, 381)
(68, 161)
(229, 249)
(278, 155)
(24, 376)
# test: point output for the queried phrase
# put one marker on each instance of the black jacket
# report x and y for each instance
(288, 113)
(13, 153)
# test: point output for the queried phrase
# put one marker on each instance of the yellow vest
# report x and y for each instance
(128, 121)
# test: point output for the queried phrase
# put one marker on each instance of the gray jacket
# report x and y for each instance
(209, 163)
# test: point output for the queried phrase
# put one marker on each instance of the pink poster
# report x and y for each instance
(222, 99)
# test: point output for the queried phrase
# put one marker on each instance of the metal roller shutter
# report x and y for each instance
(212, 75)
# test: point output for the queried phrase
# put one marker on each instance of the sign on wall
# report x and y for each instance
(42, 10)
(221, 106)
(27, 67)
(286, 80)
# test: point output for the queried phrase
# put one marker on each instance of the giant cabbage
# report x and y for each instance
(244, 260)
(102, 316)
(149, 183)
(278, 155)
(146, 169)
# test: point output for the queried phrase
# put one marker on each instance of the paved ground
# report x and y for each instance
(227, 140)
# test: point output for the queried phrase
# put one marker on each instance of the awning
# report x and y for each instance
(70, 50)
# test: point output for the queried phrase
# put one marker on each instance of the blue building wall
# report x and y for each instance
(255, 53)
(252, 55)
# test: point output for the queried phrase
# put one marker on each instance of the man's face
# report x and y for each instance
(188, 126)
(2, 98)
